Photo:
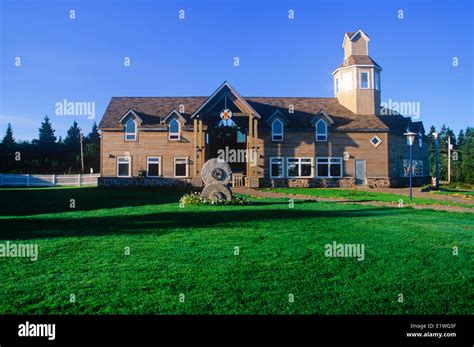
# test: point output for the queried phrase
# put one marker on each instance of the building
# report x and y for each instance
(344, 140)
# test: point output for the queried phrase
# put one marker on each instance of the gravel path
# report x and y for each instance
(264, 194)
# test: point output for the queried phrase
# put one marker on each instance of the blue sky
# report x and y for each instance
(83, 59)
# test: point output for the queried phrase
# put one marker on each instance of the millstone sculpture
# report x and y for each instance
(216, 175)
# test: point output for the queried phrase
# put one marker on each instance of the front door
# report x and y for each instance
(360, 171)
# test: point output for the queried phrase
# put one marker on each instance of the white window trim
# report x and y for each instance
(326, 132)
(129, 165)
(360, 79)
(299, 167)
(282, 131)
(174, 134)
(160, 166)
(282, 167)
(134, 134)
(378, 138)
(187, 166)
(329, 166)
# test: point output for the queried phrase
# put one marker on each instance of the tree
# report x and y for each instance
(8, 140)
(46, 133)
(92, 149)
(73, 137)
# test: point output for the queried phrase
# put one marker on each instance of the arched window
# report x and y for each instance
(277, 130)
(174, 130)
(130, 130)
(321, 130)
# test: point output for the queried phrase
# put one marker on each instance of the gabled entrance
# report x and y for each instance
(225, 126)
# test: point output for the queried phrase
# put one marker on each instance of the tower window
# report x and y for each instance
(364, 80)
(336, 84)
(377, 80)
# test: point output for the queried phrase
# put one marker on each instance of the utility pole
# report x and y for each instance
(435, 135)
(449, 159)
(82, 153)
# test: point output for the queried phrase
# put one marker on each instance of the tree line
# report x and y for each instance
(48, 154)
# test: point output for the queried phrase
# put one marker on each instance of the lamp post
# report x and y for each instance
(411, 138)
(435, 135)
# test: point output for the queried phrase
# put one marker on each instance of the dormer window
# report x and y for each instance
(321, 130)
(420, 140)
(174, 130)
(364, 80)
(277, 130)
(130, 130)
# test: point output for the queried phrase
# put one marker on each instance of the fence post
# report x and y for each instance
(53, 180)
(79, 180)
(27, 180)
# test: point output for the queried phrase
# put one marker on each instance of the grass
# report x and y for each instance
(364, 195)
(191, 251)
(463, 193)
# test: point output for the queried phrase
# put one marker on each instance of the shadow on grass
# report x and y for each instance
(167, 222)
(22, 202)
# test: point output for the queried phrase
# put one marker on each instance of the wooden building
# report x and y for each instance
(344, 140)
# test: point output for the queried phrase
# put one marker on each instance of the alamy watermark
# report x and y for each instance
(405, 108)
(19, 250)
(345, 250)
(230, 155)
(75, 108)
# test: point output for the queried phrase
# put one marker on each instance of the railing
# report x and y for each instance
(26, 180)
(239, 180)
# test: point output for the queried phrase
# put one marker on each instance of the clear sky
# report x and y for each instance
(82, 59)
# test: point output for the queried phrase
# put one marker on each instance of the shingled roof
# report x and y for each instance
(153, 110)
(358, 60)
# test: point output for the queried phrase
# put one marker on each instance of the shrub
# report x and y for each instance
(195, 199)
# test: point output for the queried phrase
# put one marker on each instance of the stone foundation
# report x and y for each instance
(307, 182)
(142, 182)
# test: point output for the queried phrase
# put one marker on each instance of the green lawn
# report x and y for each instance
(191, 251)
(364, 195)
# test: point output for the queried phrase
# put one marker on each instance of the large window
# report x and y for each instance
(417, 168)
(299, 167)
(174, 130)
(321, 130)
(328, 167)
(276, 167)
(123, 166)
(130, 130)
(277, 130)
(181, 167)
(364, 80)
(153, 166)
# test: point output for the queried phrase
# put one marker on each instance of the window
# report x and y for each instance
(321, 130)
(277, 130)
(123, 166)
(328, 167)
(130, 130)
(375, 141)
(299, 167)
(276, 167)
(241, 137)
(336, 84)
(417, 168)
(364, 80)
(377, 80)
(153, 166)
(174, 130)
(180, 167)
(420, 140)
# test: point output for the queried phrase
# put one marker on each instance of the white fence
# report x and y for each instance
(48, 180)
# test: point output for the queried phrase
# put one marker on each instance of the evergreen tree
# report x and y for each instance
(73, 137)
(46, 133)
(8, 140)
